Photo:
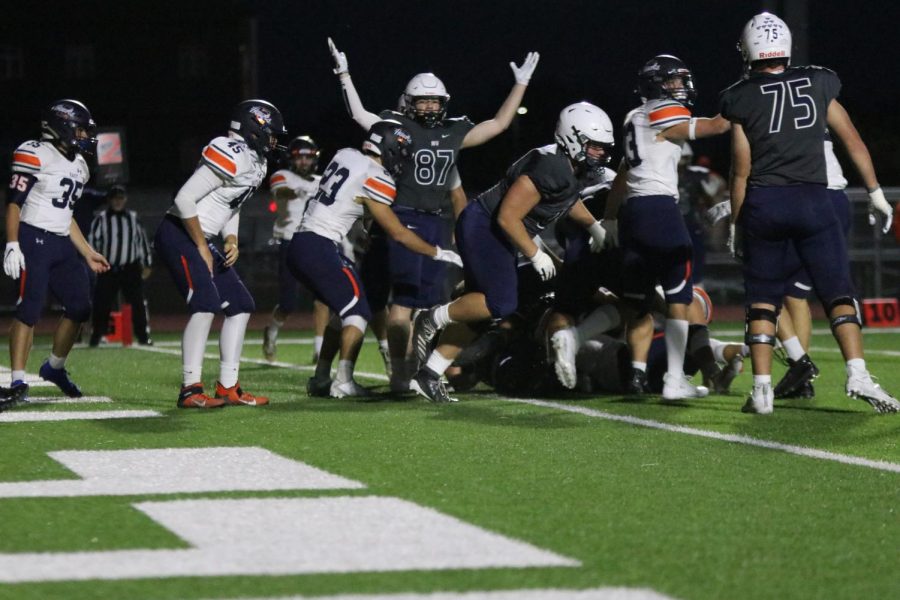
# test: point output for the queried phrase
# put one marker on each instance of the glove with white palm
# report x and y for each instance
(878, 203)
(543, 264)
(523, 73)
(13, 260)
(448, 256)
(340, 59)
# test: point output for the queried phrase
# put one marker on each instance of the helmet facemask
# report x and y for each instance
(427, 118)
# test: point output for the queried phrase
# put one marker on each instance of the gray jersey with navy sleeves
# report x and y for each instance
(425, 184)
(552, 175)
(784, 116)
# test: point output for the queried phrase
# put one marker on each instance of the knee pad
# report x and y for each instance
(844, 319)
(759, 314)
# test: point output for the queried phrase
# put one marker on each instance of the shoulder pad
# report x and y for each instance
(30, 156)
(227, 156)
(665, 112)
(391, 114)
(278, 179)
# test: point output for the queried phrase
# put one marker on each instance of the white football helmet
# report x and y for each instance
(426, 85)
(765, 36)
(579, 124)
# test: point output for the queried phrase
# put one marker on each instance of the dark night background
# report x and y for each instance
(169, 73)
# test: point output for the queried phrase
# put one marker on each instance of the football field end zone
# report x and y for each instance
(24, 416)
(603, 593)
(632, 420)
(176, 470)
(336, 535)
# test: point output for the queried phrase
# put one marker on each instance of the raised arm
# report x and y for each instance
(491, 128)
(695, 128)
(351, 98)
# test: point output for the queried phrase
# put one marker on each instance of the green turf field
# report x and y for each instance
(635, 504)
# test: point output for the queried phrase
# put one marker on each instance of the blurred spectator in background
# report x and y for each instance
(119, 234)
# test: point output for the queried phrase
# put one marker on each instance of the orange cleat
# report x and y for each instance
(192, 396)
(235, 396)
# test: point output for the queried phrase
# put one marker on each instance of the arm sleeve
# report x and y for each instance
(202, 182)
(454, 179)
(232, 226)
(832, 85)
(19, 187)
(355, 106)
(380, 188)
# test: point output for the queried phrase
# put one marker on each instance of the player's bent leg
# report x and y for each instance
(354, 328)
(320, 383)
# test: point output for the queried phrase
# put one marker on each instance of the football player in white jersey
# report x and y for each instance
(208, 206)
(292, 188)
(655, 241)
(354, 183)
(44, 242)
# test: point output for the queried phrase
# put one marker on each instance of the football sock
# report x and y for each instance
(640, 366)
(344, 371)
(442, 316)
(231, 344)
(57, 362)
(18, 376)
(856, 364)
(793, 348)
(599, 321)
(193, 344)
(383, 344)
(676, 345)
(762, 379)
(437, 363)
(317, 344)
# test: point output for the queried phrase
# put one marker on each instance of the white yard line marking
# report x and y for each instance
(291, 536)
(176, 471)
(247, 341)
(715, 435)
(64, 400)
(30, 378)
(20, 416)
(867, 331)
(725, 437)
(604, 593)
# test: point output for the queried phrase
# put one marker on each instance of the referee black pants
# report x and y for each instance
(128, 279)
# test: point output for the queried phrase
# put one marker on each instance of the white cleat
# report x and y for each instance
(760, 400)
(680, 387)
(861, 385)
(346, 389)
(563, 344)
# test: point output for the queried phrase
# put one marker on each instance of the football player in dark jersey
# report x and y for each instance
(779, 196)
(424, 191)
(504, 221)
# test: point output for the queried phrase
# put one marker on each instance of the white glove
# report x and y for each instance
(448, 256)
(878, 203)
(340, 59)
(598, 236)
(523, 73)
(13, 260)
(543, 264)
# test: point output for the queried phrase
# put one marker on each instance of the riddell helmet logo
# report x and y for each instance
(263, 116)
(772, 54)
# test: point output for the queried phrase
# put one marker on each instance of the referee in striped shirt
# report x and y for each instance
(118, 234)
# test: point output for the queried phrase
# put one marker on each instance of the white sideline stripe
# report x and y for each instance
(260, 361)
(738, 439)
(251, 341)
(836, 350)
(604, 593)
(18, 416)
(715, 435)
(63, 400)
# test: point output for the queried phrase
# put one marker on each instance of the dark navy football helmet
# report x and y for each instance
(260, 124)
(60, 123)
(654, 80)
(389, 140)
(304, 146)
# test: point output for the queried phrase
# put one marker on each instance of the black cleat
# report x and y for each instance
(429, 384)
(11, 396)
(424, 331)
(638, 383)
(804, 392)
(799, 372)
(319, 387)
